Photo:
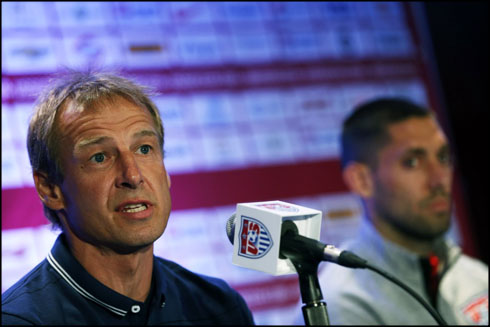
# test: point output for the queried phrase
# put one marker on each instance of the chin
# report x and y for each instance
(137, 242)
(435, 233)
(132, 246)
(147, 239)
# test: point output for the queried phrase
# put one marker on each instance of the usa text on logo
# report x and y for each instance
(255, 239)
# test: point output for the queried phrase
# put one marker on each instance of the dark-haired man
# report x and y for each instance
(397, 159)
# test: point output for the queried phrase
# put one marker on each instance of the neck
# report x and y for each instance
(128, 274)
(417, 246)
(390, 233)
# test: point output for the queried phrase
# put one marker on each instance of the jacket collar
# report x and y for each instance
(65, 265)
(389, 254)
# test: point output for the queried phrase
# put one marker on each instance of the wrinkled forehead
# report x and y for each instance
(72, 108)
(79, 104)
(103, 119)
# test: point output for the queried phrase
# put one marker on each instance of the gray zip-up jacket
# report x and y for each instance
(362, 297)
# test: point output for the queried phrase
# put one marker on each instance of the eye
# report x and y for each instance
(98, 157)
(411, 162)
(145, 149)
(445, 157)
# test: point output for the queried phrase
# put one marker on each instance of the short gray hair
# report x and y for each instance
(84, 89)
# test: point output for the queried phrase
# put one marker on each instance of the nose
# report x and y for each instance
(130, 174)
(440, 175)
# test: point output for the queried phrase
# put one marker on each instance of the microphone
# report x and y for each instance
(282, 238)
(255, 232)
(294, 244)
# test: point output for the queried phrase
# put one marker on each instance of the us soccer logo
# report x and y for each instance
(255, 239)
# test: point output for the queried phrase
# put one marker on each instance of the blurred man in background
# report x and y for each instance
(396, 157)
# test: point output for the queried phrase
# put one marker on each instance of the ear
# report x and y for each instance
(359, 178)
(49, 193)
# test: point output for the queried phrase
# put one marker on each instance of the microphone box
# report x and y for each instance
(258, 234)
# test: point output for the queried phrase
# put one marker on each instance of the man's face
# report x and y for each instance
(115, 190)
(413, 179)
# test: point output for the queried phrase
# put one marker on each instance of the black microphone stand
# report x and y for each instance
(306, 264)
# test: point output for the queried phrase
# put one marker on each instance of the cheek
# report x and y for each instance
(407, 193)
(159, 184)
(86, 193)
(155, 172)
(399, 189)
(401, 181)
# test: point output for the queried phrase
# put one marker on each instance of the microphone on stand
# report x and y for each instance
(282, 238)
(297, 244)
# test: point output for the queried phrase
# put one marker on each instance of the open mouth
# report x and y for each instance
(132, 208)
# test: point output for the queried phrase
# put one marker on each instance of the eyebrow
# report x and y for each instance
(104, 139)
(145, 132)
(421, 151)
(91, 141)
(415, 151)
(445, 147)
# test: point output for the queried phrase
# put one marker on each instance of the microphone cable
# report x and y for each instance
(427, 306)
(351, 260)
(292, 243)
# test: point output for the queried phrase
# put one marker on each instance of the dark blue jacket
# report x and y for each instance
(59, 291)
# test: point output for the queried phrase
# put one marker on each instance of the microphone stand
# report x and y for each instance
(306, 264)
(314, 310)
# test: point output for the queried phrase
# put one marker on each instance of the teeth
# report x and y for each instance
(135, 207)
